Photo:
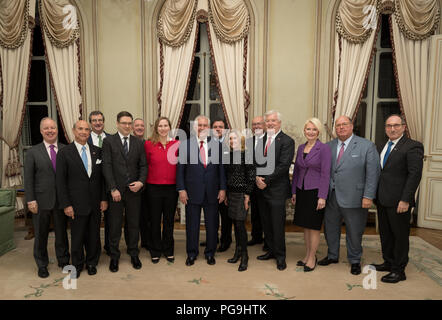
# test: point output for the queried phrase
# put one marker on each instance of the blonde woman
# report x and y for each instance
(311, 177)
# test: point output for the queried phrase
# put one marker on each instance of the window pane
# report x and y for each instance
(195, 81)
(385, 32)
(37, 45)
(191, 111)
(216, 112)
(361, 117)
(32, 119)
(387, 83)
(37, 82)
(214, 93)
(384, 110)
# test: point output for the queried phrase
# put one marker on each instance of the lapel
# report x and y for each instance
(45, 155)
(77, 159)
(333, 146)
(395, 150)
(94, 157)
(347, 152)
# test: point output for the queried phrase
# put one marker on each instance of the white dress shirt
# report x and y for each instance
(88, 153)
(206, 149)
(122, 140)
(94, 137)
(386, 146)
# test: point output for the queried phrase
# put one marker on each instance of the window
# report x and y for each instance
(202, 96)
(380, 98)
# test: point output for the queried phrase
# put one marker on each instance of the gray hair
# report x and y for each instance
(396, 115)
(278, 115)
(201, 116)
(47, 118)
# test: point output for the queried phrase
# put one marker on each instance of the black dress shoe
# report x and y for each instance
(223, 248)
(155, 260)
(170, 259)
(43, 272)
(300, 263)
(394, 277)
(355, 268)
(281, 265)
(382, 267)
(211, 260)
(326, 261)
(91, 270)
(190, 261)
(254, 241)
(113, 266)
(136, 263)
(203, 243)
(266, 256)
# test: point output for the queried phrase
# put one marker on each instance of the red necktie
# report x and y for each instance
(203, 154)
(269, 142)
(341, 152)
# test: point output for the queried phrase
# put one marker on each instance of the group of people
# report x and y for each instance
(136, 183)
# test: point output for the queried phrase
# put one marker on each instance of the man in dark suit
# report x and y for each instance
(274, 181)
(81, 195)
(256, 143)
(125, 171)
(401, 162)
(201, 183)
(353, 182)
(96, 138)
(41, 197)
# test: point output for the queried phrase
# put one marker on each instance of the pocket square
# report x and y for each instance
(354, 155)
(98, 161)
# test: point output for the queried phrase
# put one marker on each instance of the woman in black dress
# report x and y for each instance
(240, 173)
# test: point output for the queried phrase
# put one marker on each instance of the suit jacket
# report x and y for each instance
(357, 174)
(314, 170)
(118, 170)
(74, 187)
(251, 151)
(90, 141)
(200, 182)
(401, 174)
(277, 178)
(40, 182)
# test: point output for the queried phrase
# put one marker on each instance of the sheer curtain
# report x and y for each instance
(16, 29)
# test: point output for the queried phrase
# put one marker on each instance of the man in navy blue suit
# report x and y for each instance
(201, 183)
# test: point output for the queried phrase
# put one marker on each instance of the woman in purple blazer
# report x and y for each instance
(311, 178)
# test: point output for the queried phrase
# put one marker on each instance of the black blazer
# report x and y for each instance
(276, 175)
(402, 173)
(118, 170)
(74, 187)
(40, 177)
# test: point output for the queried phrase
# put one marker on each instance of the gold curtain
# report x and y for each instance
(417, 19)
(230, 19)
(56, 18)
(175, 23)
(13, 23)
(353, 18)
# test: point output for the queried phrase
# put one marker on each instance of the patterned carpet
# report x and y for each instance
(165, 281)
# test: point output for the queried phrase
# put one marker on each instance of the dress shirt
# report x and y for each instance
(122, 140)
(392, 147)
(94, 137)
(161, 170)
(48, 148)
(346, 143)
(206, 148)
(88, 153)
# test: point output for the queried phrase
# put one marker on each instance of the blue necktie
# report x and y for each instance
(125, 146)
(84, 157)
(387, 153)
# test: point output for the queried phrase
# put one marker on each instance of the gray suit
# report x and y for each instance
(40, 186)
(355, 177)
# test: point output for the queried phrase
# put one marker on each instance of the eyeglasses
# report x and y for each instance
(125, 123)
(343, 125)
(391, 126)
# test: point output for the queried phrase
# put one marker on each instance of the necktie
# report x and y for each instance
(84, 156)
(203, 154)
(53, 156)
(387, 153)
(125, 147)
(341, 152)
(269, 142)
(100, 141)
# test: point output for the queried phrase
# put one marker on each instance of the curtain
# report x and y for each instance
(15, 51)
(355, 39)
(60, 37)
(412, 25)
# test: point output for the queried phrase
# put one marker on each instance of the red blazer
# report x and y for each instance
(161, 162)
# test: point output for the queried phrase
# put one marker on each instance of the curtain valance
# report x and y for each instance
(230, 19)
(56, 19)
(175, 23)
(354, 19)
(14, 17)
(417, 19)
